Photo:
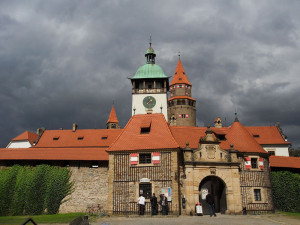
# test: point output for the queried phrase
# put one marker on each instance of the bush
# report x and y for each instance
(286, 189)
(26, 190)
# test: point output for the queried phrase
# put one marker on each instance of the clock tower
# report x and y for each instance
(149, 87)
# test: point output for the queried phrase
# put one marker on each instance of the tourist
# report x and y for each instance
(211, 204)
(153, 201)
(141, 204)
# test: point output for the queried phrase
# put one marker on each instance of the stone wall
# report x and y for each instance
(90, 188)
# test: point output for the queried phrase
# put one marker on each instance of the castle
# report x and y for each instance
(160, 150)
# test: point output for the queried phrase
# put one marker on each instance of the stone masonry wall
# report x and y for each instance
(90, 188)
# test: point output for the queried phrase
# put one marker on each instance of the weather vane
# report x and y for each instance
(150, 40)
(179, 54)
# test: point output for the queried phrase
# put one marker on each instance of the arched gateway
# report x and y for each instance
(217, 187)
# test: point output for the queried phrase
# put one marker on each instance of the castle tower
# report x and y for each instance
(149, 87)
(181, 105)
(112, 122)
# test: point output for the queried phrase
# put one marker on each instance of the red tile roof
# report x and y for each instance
(159, 137)
(112, 116)
(53, 154)
(267, 135)
(181, 97)
(284, 161)
(27, 135)
(242, 140)
(188, 134)
(179, 75)
(79, 138)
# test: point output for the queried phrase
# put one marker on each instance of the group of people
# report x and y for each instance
(154, 204)
(164, 204)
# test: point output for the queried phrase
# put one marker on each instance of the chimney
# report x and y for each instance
(74, 127)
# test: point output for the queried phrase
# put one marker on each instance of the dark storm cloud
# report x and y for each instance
(68, 61)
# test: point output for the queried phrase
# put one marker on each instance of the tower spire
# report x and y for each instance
(112, 122)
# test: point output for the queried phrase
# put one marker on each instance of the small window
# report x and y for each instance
(145, 158)
(271, 152)
(257, 194)
(146, 190)
(80, 138)
(145, 130)
(254, 164)
(55, 138)
(221, 137)
(221, 155)
(180, 86)
(113, 125)
(104, 137)
(256, 135)
(149, 86)
(180, 78)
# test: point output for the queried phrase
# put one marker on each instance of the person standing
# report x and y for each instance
(153, 201)
(211, 204)
(164, 204)
(141, 204)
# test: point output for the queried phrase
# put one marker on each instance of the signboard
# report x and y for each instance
(168, 192)
(145, 180)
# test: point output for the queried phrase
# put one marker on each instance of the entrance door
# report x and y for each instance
(217, 188)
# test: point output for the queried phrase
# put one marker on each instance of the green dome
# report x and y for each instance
(149, 71)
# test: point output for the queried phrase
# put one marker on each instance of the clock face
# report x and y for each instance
(149, 102)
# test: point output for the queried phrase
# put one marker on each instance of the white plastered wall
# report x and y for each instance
(279, 150)
(161, 101)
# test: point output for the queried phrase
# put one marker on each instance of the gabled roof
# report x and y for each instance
(179, 75)
(284, 161)
(27, 135)
(53, 154)
(242, 140)
(112, 116)
(267, 135)
(159, 136)
(79, 138)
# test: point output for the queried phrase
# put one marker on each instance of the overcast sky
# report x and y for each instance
(68, 61)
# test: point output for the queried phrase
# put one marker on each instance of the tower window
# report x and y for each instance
(180, 78)
(149, 86)
(113, 125)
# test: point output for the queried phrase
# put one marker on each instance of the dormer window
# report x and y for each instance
(256, 135)
(55, 138)
(104, 137)
(145, 130)
(145, 126)
(80, 138)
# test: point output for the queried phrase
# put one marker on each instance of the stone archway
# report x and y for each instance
(217, 187)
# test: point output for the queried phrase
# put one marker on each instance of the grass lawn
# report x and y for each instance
(56, 218)
(296, 215)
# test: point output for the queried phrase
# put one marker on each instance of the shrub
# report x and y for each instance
(26, 190)
(286, 189)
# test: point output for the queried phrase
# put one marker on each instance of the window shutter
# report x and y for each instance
(186, 115)
(178, 86)
(133, 158)
(261, 163)
(179, 116)
(247, 163)
(155, 157)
